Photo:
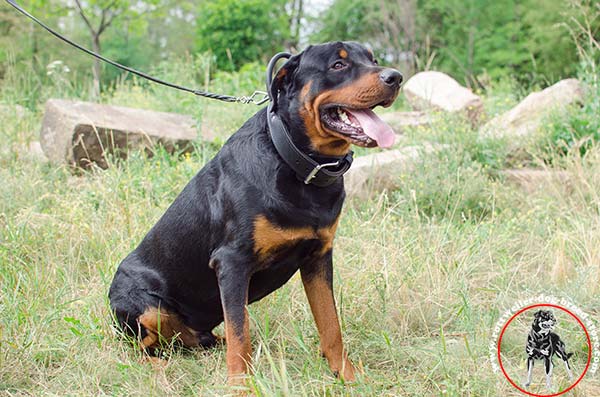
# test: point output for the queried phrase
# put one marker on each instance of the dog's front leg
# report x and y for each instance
(317, 277)
(530, 363)
(549, 366)
(233, 282)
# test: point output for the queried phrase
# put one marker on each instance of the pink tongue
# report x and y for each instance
(374, 127)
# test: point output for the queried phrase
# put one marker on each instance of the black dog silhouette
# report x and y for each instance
(543, 344)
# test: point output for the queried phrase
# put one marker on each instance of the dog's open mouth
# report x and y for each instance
(361, 126)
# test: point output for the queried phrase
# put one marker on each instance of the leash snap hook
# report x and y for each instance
(315, 170)
(257, 98)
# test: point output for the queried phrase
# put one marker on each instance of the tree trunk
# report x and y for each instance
(298, 23)
(97, 69)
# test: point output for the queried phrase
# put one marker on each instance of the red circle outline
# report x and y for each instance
(589, 342)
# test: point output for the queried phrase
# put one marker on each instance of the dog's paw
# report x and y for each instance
(526, 384)
(239, 385)
(347, 374)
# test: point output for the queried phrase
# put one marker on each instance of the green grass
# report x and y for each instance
(422, 273)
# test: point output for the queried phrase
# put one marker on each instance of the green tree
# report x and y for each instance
(523, 39)
(465, 38)
(238, 32)
(553, 52)
(99, 15)
(24, 39)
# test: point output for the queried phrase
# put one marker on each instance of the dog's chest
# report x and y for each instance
(280, 252)
(272, 241)
(539, 342)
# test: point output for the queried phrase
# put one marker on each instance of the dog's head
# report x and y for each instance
(328, 92)
(543, 321)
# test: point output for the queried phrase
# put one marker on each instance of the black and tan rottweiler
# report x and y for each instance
(256, 213)
(543, 344)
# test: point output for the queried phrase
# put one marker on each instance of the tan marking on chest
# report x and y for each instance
(327, 234)
(268, 237)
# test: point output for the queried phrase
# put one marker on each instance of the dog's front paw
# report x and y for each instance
(526, 384)
(347, 373)
(238, 384)
(237, 380)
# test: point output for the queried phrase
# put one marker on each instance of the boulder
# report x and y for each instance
(437, 90)
(83, 133)
(527, 117)
(379, 171)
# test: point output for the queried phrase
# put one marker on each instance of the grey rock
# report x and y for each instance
(530, 179)
(437, 90)
(379, 171)
(84, 133)
(528, 116)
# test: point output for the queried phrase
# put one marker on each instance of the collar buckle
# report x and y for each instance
(316, 170)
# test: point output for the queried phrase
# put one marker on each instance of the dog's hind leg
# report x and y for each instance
(562, 353)
(233, 278)
(549, 366)
(565, 357)
(569, 372)
(529, 371)
(159, 323)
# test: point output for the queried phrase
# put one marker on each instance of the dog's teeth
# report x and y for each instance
(345, 119)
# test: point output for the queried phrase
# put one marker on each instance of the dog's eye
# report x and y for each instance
(339, 65)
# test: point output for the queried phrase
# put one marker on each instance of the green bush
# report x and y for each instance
(238, 32)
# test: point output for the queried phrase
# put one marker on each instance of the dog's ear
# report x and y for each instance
(538, 314)
(284, 75)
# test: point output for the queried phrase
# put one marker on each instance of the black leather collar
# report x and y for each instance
(315, 170)
(319, 173)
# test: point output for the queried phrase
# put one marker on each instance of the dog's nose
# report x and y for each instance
(391, 77)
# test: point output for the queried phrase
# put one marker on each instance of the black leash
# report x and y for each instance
(307, 168)
(257, 98)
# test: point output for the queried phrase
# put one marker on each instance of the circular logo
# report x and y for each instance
(545, 348)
